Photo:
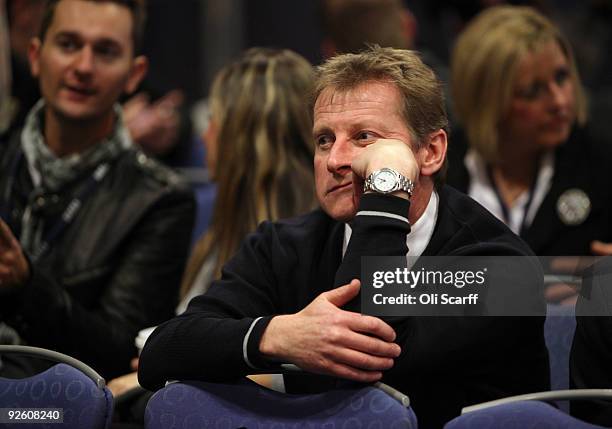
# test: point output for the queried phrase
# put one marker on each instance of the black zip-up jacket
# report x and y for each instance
(581, 164)
(115, 269)
(446, 362)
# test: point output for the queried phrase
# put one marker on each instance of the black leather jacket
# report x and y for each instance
(115, 270)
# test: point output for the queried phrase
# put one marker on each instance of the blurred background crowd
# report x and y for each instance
(188, 43)
(213, 69)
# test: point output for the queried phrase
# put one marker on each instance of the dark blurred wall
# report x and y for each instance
(292, 24)
(172, 43)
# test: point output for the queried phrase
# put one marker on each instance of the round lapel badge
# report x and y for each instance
(573, 206)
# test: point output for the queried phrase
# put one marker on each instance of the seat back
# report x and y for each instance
(85, 401)
(246, 404)
(559, 330)
(518, 415)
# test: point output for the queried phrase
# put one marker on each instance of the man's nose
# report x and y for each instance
(84, 62)
(340, 156)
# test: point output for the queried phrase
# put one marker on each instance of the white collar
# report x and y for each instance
(482, 191)
(420, 232)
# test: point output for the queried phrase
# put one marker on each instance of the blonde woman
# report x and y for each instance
(259, 152)
(529, 158)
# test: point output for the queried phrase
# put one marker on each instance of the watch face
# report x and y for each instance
(384, 181)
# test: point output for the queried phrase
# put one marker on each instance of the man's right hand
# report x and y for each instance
(324, 339)
(389, 153)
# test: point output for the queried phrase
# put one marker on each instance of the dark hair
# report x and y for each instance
(352, 24)
(136, 8)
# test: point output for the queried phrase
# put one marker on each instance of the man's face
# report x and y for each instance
(344, 124)
(86, 60)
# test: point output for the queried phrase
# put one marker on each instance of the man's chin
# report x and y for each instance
(78, 115)
(342, 215)
(341, 209)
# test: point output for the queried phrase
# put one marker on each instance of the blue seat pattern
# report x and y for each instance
(84, 404)
(518, 415)
(244, 404)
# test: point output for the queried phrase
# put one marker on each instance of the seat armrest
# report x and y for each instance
(554, 395)
(54, 356)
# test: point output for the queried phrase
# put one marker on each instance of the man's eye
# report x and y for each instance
(324, 141)
(366, 135)
(107, 51)
(67, 45)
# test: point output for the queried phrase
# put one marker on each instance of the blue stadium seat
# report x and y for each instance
(559, 333)
(246, 404)
(205, 193)
(531, 410)
(518, 415)
(69, 385)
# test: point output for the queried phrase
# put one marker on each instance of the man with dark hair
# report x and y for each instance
(94, 234)
(351, 24)
(135, 7)
(289, 294)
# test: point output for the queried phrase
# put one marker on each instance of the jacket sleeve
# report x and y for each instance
(207, 342)
(139, 290)
(379, 228)
(218, 337)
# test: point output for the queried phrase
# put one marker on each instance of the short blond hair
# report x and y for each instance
(421, 94)
(483, 70)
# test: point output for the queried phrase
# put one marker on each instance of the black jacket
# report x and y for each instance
(581, 163)
(446, 363)
(115, 270)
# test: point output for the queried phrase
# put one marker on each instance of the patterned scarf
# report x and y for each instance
(51, 174)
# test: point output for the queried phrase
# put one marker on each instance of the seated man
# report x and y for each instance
(289, 293)
(94, 234)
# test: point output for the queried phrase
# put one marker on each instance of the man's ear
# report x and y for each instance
(138, 72)
(433, 154)
(34, 56)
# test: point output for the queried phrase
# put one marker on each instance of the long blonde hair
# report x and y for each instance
(483, 69)
(265, 151)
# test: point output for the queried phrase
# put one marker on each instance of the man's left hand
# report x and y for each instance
(14, 268)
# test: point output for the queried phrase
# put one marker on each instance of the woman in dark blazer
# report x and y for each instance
(523, 151)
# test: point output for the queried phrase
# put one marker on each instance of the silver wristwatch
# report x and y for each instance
(387, 180)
